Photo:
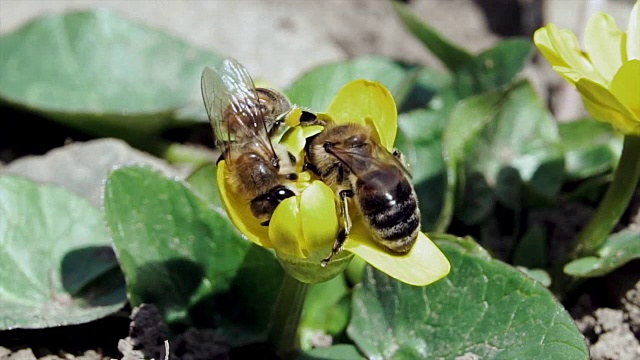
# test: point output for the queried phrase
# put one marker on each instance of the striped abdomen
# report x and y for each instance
(388, 202)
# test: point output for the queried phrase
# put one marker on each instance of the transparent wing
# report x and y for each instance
(380, 161)
(233, 107)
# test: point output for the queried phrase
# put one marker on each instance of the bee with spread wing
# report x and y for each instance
(242, 118)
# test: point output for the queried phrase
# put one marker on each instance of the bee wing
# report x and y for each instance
(233, 106)
(361, 165)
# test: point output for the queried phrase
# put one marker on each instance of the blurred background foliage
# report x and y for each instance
(499, 151)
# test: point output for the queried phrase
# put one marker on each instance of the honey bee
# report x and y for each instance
(243, 119)
(348, 159)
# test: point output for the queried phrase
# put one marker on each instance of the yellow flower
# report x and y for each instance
(608, 74)
(303, 228)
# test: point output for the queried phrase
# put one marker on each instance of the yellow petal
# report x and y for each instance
(285, 228)
(565, 44)
(633, 33)
(319, 219)
(311, 130)
(568, 74)
(367, 103)
(293, 119)
(603, 42)
(294, 140)
(604, 106)
(626, 86)
(240, 213)
(424, 265)
(543, 42)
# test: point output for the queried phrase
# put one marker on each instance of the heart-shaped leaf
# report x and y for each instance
(184, 256)
(204, 183)
(451, 55)
(531, 250)
(493, 68)
(591, 147)
(316, 88)
(82, 166)
(483, 309)
(501, 140)
(618, 249)
(56, 262)
(102, 73)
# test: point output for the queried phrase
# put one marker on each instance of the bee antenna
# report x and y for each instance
(275, 162)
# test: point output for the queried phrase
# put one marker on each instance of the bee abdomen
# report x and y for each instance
(397, 222)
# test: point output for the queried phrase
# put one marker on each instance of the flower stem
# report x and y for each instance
(285, 318)
(615, 201)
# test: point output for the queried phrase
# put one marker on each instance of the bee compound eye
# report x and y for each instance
(355, 141)
(282, 193)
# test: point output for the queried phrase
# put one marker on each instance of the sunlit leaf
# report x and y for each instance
(484, 309)
(102, 73)
(56, 262)
(316, 88)
(493, 68)
(185, 257)
(591, 147)
(493, 139)
(451, 55)
(618, 249)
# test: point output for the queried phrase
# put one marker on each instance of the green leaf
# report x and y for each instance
(531, 251)
(185, 256)
(101, 73)
(493, 68)
(538, 275)
(82, 166)
(451, 55)
(466, 244)
(419, 86)
(483, 309)
(496, 143)
(420, 140)
(618, 249)
(316, 88)
(335, 352)
(591, 148)
(326, 310)
(56, 262)
(204, 183)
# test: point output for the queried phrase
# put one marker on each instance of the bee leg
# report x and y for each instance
(310, 167)
(342, 236)
(401, 159)
(399, 156)
(344, 195)
(337, 246)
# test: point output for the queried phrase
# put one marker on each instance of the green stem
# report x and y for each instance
(285, 318)
(614, 203)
